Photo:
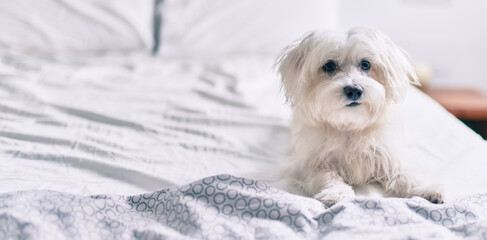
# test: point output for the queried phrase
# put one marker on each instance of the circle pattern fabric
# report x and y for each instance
(228, 207)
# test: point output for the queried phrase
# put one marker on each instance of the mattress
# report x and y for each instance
(128, 145)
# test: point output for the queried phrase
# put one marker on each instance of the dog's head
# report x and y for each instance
(345, 80)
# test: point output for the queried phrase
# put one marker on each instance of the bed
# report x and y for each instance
(106, 140)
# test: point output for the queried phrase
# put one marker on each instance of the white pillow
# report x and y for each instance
(76, 25)
(193, 27)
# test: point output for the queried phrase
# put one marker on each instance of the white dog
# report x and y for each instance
(345, 132)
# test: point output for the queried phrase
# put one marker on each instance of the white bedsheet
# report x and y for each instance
(127, 123)
(132, 123)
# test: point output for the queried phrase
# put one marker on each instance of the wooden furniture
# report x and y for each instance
(468, 105)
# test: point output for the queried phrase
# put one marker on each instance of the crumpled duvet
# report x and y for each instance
(229, 207)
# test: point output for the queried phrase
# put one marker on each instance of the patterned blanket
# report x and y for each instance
(228, 207)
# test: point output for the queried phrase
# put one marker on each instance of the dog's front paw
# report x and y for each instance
(432, 196)
(334, 194)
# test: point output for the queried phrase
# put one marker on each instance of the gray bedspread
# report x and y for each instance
(228, 207)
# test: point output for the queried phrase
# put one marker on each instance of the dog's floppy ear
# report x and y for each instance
(290, 65)
(393, 63)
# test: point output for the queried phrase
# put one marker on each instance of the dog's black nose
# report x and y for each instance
(353, 92)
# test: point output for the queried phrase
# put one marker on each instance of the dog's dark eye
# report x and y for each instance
(365, 65)
(329, 67)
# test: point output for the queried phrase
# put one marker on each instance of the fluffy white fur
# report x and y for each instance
(335, 145)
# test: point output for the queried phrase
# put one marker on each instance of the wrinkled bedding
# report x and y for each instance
(121, 145)
(131, 123)
(228, 207)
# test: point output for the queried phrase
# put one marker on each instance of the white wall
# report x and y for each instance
(451, 35)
